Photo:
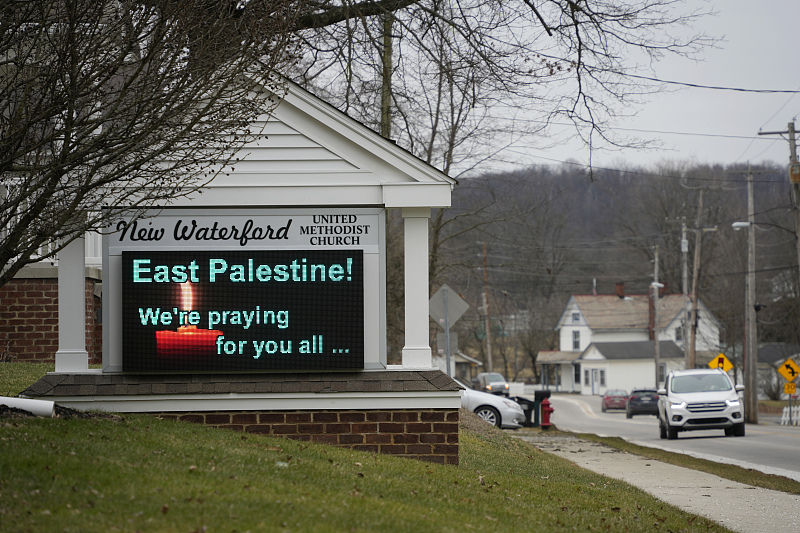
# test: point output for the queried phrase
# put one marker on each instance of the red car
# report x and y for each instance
(614, 399)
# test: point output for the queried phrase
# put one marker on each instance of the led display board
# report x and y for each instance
(241, 310)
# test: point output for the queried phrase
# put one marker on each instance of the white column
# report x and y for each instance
(72, 355)
(417, 349)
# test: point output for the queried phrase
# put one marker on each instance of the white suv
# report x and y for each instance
(699, 399)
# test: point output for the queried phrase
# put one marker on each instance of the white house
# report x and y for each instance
(626, 365)
(622, 318)
(612, 319)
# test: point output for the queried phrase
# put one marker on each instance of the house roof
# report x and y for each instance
(549, 357)
(609, 311)
(464, 358)
(777, 352)
(636, 350)
(459, 357)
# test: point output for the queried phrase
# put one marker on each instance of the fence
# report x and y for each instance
(793, 416)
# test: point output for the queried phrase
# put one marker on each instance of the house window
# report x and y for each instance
(586, 377)
(576, 317)
(576, 340)
(678, 334)
(602, 378)
(577, 375)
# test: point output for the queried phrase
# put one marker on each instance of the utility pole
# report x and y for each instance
(794, 179)
(691, 352)
(698, 239)
(685, 291)
(751, 356)
(684, 257)
(656, 287)
(487, 322)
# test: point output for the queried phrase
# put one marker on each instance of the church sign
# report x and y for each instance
(249, 290)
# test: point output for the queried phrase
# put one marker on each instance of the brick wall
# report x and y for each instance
(29, 320)
(427, 434)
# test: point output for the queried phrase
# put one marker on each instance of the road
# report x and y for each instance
(769, 448)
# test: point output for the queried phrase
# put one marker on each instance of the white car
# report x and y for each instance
(699, 399)
(501, 412)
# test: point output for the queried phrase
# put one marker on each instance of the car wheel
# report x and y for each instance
(729, 432)
(672, 432)
(662, 429)
(489, 414)
(603, 408)
(738, 430)
(628, 414)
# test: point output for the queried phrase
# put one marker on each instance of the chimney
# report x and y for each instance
(621, 289)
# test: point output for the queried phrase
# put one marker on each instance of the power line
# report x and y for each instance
(640, 130)
(639, 172)
(703, 86)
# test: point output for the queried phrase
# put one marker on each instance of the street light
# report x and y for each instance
(751, 351)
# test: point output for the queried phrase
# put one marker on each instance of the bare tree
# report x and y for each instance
(120, 105)
(463, 72)
(111, 106)
(455, 78)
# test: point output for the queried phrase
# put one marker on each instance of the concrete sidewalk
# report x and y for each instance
(736, 506)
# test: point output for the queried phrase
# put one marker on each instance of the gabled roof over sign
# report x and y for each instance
(309, 153)
(610, 312)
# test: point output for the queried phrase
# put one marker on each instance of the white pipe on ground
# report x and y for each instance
(36, 407)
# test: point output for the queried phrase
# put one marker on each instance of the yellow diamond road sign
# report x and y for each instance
(789, 370)
(720, 361)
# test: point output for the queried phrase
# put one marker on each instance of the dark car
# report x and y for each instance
(642, 402)
(490, 382)
(614, 399)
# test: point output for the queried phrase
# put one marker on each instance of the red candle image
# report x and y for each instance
(189, 341)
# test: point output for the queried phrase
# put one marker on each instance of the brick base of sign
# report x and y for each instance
(400, 412)
(427, 435)
(29, 319)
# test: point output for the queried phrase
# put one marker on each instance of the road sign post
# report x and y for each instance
(721, 362)
(446, 307)
(789, 370)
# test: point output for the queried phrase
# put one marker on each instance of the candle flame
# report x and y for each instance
(186, 296)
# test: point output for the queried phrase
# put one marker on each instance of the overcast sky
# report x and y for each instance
(759, 50)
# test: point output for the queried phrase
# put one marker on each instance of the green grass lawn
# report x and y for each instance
(16, 377)
(139, 473)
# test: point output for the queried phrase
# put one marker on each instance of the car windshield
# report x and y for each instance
(644, 391)
(700, 383)
(491, 378)
(616, 393)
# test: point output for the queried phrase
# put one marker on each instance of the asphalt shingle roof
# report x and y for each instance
(609, 311)
(126, 384)
(638, 350)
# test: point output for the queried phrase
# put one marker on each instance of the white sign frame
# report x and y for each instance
(267, 229)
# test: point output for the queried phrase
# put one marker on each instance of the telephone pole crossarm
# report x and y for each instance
(794, 180)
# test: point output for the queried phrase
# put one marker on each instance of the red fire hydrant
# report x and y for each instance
(546, 411)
